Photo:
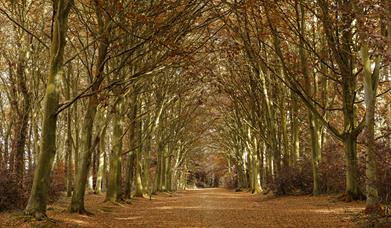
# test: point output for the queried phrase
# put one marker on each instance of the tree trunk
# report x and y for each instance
(101, 183)
(159, 166)
(76, 133)
(77, 203)
(68, 142)
(169, 174)
(147, 160)
(352, 188)
(315, 129)
(36, 146)
(138, 180)
(132, 143)
(39, 194)
(114, 186)
(284, 128)
(20, 106)
(350, 143)
(370, 87)
(68, 156)
(295, 130)
(256, 175)
(95, 162)
(138, 164)
(129, 175)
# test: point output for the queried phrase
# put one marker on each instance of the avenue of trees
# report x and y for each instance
(125, 98)
(306, 79)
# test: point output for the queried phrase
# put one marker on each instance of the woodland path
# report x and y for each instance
(207, 208)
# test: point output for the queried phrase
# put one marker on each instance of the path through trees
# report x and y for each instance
(210, 208)
(129, 99)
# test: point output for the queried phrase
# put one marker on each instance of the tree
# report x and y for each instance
(38, 199)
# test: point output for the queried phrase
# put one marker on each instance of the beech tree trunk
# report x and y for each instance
(77, 203)
(68, 142)
(132, 144)
(39, 194)
(370, 87)
(114, 186)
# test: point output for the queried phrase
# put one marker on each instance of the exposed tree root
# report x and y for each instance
(81, 211)
(38, 215)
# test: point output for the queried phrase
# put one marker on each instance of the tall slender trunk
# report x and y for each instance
(371, 80)
(6, 157)
(68, 142)
(138, 177)
(273, 159)
(39, 194)
(36, 146)
(316, 153)
(295, 130)
(132, 143)
(284, 128)
(164, 169)
(76, 137)
(169, 173)
(77, 203)
(114, 186)
(95, 162)
(341, 49)
(138, 162)
(159, 167)
(250, 170)
(100, 182)
(315, 127)
(350, 141)
(146, 145)
(147, 160)
(68, 156)
(29, 150)
(256, 169)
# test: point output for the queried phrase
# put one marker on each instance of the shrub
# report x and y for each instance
(11, 194)
(293, 180)
(332, 169)
(14, 195)
(384, 172)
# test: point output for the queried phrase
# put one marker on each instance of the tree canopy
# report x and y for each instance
(130, 98)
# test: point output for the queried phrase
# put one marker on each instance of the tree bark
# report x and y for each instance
(370, 87)
(39, 194)
(114, 186)
(77, 203)
(132, 143)
(68, 142)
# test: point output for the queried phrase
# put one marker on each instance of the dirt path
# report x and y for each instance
(208, 208)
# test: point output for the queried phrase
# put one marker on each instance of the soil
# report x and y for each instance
(200, 208)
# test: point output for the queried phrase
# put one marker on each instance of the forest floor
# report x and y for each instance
(201, 208)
